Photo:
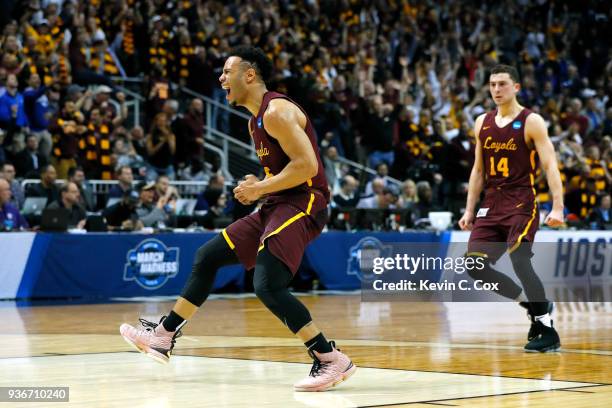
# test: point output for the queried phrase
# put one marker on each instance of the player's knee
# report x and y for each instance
(271, 277)
(269, 295)
(265, 285)
(521, 263)
(521, 259)
(262, 288)
(209, 255)
(201, 255)
(521, 255)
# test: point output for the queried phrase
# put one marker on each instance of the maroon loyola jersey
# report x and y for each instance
(509, 212)
(508, 161)
(273, 158)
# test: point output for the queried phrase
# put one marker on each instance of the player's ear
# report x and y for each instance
(251, 75)
(517, 87)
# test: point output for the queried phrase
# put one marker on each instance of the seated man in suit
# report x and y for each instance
(46, 187)
(69, 199)
(348, 196)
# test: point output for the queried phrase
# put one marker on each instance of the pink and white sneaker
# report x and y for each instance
(152, 340)
(328, 370)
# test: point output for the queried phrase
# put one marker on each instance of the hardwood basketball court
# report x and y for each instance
(236, 354)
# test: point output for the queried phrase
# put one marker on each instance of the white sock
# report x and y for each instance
(545, 319)
(521, 297)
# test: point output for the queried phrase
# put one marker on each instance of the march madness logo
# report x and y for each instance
(151, 264)
(361, 258)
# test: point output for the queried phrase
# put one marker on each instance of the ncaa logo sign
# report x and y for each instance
(516, 124)
(361, 258)
(151, 264)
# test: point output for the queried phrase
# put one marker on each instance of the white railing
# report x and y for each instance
(225, 139)
(102, 187)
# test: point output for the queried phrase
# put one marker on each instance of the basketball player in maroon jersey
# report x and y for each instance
(509, 141)
(272, 240)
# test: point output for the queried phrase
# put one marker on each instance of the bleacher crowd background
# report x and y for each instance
(394, 85)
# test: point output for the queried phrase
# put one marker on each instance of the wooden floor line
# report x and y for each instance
(474, 397)
(203, 342)
(595, 352)
(395, 343)
(75, 354)
(590, 384)
(473, 346)
(570, 390)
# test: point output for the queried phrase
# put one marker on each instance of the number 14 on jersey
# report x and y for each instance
(502, 167)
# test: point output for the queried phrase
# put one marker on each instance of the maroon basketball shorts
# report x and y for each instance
(509, 217)
(284, 224)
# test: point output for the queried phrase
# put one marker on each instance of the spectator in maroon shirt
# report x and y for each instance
(190, 137)
(573, 115)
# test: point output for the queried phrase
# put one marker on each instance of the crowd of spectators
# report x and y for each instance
(395, 85)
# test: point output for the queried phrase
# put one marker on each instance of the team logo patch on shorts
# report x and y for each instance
(482, 212)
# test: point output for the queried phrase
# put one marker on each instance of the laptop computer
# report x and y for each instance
(96, 223)
(34, 205)
(55, 219)
(185, 206)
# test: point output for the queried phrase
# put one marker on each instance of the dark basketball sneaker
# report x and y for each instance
(533, 330)
(547, 339)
